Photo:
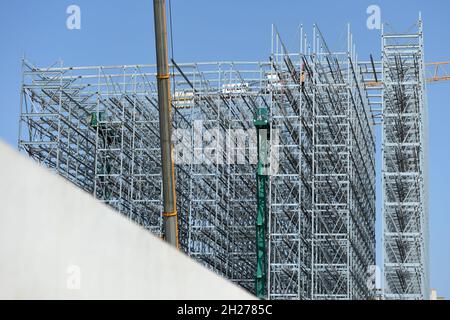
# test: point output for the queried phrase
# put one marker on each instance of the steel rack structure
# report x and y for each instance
(98, 127)
(322, 234)
(404, 167)
(220, 101)
(95, 126)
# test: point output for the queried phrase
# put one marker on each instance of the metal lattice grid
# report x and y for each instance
(322, 235)
(404, 169)
(98, 127)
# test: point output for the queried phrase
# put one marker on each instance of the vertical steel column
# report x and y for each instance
(168, 177)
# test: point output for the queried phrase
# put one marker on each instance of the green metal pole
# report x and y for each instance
(262, 128)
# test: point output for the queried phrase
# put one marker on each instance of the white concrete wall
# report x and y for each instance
(55, 237)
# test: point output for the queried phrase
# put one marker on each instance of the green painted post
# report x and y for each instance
(261, 123)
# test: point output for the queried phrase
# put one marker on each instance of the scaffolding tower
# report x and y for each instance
(98, 127)
(322, 235)
(404, 168)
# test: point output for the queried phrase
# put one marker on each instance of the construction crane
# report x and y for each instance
(165, 126)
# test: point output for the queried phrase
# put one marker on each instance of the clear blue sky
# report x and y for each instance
(121, 32)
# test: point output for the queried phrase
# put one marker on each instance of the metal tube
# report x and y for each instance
(165, 127)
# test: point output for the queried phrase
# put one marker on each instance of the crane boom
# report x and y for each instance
(434, 72)
(438, 71)
(165, 126)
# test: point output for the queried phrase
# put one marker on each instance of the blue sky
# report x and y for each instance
(121, 32)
